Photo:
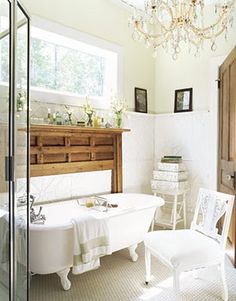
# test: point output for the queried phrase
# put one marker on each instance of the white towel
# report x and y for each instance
(91, 241)
(21, 239)
(4, 239)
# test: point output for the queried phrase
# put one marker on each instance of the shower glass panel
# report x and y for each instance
(4, 147)
(14, 151)
(21, 154)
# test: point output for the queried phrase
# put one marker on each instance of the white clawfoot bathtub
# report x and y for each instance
(51, 244)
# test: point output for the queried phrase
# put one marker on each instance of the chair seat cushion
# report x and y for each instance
(184, 249)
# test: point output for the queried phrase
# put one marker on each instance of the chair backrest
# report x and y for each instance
(210, 207)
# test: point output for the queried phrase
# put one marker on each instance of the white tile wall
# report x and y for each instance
(51, 188)
(188, 135)
(151, 137)
(138, 153)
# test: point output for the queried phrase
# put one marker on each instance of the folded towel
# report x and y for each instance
(91, 241)
(4, 239)
(21, 239)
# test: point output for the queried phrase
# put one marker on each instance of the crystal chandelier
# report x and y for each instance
(169, 23)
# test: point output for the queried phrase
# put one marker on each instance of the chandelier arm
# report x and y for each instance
(163, 27)
(204, 31)
(209, 37)
(169, 10)
(152, 36)
(224, 11)
(190, 12)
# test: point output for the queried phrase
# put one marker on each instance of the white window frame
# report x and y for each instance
(52, 96)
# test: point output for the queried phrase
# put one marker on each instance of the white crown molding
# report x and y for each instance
(140, 3)
(136, 3)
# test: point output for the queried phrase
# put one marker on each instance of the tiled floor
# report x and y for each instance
(119, 279)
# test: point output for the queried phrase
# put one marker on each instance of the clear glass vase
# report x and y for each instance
(118, 120)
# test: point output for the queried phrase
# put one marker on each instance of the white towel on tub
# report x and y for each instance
(21, 236)
(4, 239)
(91, 241)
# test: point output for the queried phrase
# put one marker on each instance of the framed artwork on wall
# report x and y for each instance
(140, 100)
(183, 100)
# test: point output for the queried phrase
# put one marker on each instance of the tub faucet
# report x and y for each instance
(36, 218)
(32, 200)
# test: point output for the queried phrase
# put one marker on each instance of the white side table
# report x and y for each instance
(178, 212)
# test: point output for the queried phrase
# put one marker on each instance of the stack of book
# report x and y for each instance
(170, 176)
(171, 159)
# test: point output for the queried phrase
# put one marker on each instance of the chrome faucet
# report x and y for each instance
(32, 200)
(36, 218)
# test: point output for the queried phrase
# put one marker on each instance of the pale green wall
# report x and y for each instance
(188, 71)
(108, 21)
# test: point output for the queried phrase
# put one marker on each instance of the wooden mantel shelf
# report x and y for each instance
(75, 129)
(58, 149)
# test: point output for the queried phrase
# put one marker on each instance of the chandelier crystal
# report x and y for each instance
(169, 23)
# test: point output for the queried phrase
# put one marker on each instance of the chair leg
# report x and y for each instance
(152, 224)
(147, 265)
(223, 279)
(184, 211)
(174, 212)
(176, 281)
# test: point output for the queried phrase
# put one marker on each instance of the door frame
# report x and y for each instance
(232, 252)
(14, 5)
(214, 109)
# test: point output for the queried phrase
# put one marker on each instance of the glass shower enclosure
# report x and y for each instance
(14, 151)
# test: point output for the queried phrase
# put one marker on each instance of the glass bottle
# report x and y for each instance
(58, 118)
(49, 116)
(54, 118)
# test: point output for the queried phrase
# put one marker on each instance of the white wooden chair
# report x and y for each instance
(198, 247)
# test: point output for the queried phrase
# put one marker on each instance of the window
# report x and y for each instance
(65, 69)
(68, 62)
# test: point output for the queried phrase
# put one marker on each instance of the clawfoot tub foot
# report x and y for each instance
(132, 253)
(65, 282)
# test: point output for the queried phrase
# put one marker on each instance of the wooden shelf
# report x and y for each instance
(75, 129)
(58, 149)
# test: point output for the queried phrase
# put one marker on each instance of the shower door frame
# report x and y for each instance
(11, 168)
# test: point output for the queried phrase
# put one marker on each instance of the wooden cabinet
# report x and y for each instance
(66, 149)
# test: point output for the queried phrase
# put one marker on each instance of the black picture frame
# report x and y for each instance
(183, 100)
(140, 100)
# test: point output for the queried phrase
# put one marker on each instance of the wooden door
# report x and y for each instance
(227, 139)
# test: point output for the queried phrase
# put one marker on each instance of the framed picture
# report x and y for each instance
(183, 100)
(140, 100)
